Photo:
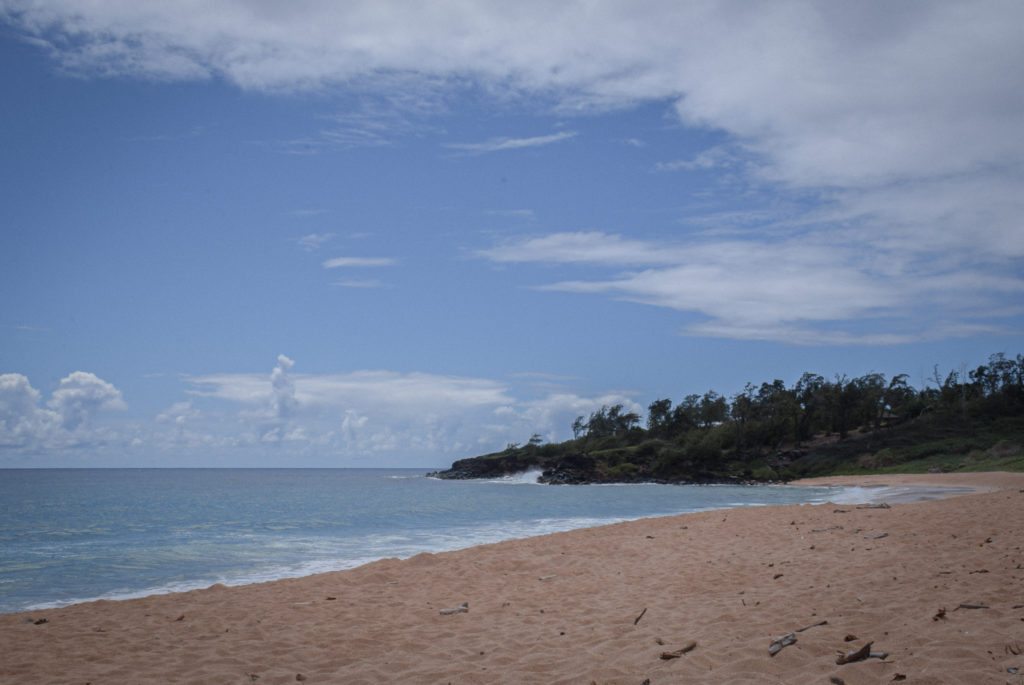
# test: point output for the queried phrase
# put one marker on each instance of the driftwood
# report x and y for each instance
(464, 608)
(856, 655)
(637, 619)
(779, 642)
(971, 605)
(882, 505)
(813, 625)
(860, 655)
(688, 647)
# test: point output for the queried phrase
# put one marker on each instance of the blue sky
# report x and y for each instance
(375, 234)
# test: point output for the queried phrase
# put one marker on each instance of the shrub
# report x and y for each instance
(624, 470)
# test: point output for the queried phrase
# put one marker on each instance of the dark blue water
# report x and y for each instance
(71, 535)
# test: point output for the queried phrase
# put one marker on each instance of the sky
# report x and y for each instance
(378, 233)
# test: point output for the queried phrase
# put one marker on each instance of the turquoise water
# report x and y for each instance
(72, 535)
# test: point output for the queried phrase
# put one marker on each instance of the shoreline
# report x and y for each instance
(592, 605)
(689, 498)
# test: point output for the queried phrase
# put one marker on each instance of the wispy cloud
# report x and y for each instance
(814, 290)
(359, 284)
(358, 262)
(540, 375)
(515, 213)
(582, 247)
(713, 158)
(313, 241)
(500, 144)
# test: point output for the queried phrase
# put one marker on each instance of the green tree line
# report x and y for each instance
(963, 420)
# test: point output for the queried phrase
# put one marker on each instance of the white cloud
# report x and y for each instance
(21, 419)
(553, 414)
(179, 413)
(73, 407)
(712, 158)
(890, 131)
(359, 417)
(367, 283)
(282, 389)
(313, 241)
(834, 94)
(358, 262)
(500, 144)
(582, 247)
(80, 396)
(382, 412)
(514, 213)
(795, 291)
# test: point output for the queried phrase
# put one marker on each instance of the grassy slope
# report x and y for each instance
(927, 446)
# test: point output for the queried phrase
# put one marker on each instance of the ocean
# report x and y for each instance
(75, 535)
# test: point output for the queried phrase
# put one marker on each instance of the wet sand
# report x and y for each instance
(602, 605)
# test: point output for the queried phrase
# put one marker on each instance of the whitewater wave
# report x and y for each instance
(530, 477)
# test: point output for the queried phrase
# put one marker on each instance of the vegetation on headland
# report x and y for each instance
(967, 421)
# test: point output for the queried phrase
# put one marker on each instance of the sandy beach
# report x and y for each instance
(935, 587)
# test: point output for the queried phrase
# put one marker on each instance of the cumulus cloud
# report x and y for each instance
(21, 418)
(358, 417)
(282, 389)
(73, 407)
(80, 396)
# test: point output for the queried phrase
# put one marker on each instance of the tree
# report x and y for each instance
(609, 421)
(579, 427)
(659, 417)
(713, 409)
(869, 408)
(686, 415)
(810, 402)
(742, 412)
(841, 398)
(899, 397)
